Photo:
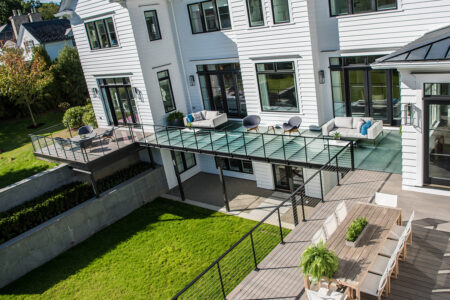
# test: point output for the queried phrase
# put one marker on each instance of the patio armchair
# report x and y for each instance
(319, 236)
(341, 211)
(375, 285)
(85, 130)
(251, 122)
(398, 230)
(108, 134)
(386, 199)
(292, 125)
(330, 225)
(319, 292)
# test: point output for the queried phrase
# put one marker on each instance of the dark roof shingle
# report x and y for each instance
(6, 33)
(49, 31)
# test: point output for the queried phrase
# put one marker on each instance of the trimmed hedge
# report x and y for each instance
(24, 217)
(34, 212)
(122, 175)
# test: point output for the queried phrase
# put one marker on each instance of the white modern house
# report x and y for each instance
(315, 59)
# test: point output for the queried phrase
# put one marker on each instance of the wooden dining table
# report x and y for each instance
(355, 263)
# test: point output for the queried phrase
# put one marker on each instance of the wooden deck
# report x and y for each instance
(424, 275)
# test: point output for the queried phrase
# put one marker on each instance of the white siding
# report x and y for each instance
(264, 175)
(110, 62)
(392, 28)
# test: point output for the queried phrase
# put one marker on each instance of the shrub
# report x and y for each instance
(355, 229)
(318, 262)
(63, 106)
(34, 212)
(121, 176)
(88, 117)
(73, 117)
(176, 115)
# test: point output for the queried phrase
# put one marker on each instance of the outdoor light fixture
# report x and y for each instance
(191, 80)
(138, 93)
(95, 92)
(321, 76)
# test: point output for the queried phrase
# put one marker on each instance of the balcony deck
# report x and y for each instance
(424, 275)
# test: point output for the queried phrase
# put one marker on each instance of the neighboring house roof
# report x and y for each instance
(6, 33)
(432, 46)
(49, 31)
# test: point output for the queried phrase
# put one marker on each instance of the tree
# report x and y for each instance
(23, 81)
(69, 77)
(48, 10)
(6, 8)
(40, 51)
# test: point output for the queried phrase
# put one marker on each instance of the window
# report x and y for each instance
(101, 34)
(29, 45)
(236, 165)
(280, 11)
(437, 89)
(166, 91)
(255, 13)
(209, 16)
(277, 86)
(345, 7)
(185, 161)
(151, 19)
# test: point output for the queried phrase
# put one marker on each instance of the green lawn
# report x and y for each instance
(150, 254)
(16, 158)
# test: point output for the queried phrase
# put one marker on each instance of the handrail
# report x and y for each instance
(292, 195)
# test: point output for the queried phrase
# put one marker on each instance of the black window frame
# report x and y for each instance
(202, 17)
(273, 14)
(262, 14)
(275, 71)
(226, 166)
(171, 90)
(97, 35)
(183, 160)
(351, 12)
(157, 25)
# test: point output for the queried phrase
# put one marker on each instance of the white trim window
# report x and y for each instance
(101, 33)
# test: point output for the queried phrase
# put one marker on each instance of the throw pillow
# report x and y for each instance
(211, 114)
(360, 124)
(365, 127)
(197, 116)
(343, 122)
(190, 118)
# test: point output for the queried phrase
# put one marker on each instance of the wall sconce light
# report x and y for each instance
(94, 92)
(191, 80)
(321, 76)
(138, 93)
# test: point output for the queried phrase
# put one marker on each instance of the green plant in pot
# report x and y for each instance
(355, 229)
(319, 262)
(336, 136)
(175, 119)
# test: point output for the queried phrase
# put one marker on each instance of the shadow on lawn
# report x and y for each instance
(15, 176)
(80, 256)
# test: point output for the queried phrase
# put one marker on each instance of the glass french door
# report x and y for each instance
(437, 141)
(282, 174)
(119, 101)
(222, 89)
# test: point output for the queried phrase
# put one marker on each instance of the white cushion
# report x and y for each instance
(211, 114)
(197, 116)
(389, 248)
(370, 284)
(343, 122)
(355, 122)
(203, 123)
(396, 232)
(341, 211)
(386, 199)
(319, 236)
(330, 225)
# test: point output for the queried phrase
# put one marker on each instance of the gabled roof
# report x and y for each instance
(432, 46)
(6, 33)
(49, 31)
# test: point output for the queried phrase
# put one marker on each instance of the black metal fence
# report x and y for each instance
(220, 278)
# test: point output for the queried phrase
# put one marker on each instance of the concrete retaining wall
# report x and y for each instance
(33, 186)
(41, 244)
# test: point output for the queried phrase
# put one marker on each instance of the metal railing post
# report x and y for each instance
(32, 142)
(195, 137)
(73, 153)
(294, 210)
(156, 135)
(303, 207)
(263, 145)
(168, 136)
(352, 157)
(46, 145)
(284, 150)
(306, 149)
(115, 138)
(39, 142)
(228, 144)
(221, 282)
(143, 133)
(254, 252)
(337, 170)
(181, 135)
(210, 139)
(321, 185)
(53, 140)
(279, 225)
(328, 145)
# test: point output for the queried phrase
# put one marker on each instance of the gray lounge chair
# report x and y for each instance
(292, 125)
(108, 134)
(85, 130)
(251, 122)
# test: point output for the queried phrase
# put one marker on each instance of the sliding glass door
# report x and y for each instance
(360, 91)
(119, 101)
(437, 134)
(222, 89)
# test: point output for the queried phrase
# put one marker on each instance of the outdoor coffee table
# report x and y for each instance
(269, 125)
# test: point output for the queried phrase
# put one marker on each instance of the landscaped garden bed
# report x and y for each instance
(35, 212)
(150, 254)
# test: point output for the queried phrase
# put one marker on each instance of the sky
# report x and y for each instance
(47, 1)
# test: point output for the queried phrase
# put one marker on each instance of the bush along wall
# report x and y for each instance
(34, 212)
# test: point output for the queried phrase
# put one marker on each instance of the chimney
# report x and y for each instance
(34, 16)
(17, 20)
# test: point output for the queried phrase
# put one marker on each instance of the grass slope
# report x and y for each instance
(17, 160)
(150, 254)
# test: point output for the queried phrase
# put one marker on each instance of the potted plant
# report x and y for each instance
(318, 262)
(356, 231)
(336, 136)
(175, 119)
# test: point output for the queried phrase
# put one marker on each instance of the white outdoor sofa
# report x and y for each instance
(210, 119)
(348, 128)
